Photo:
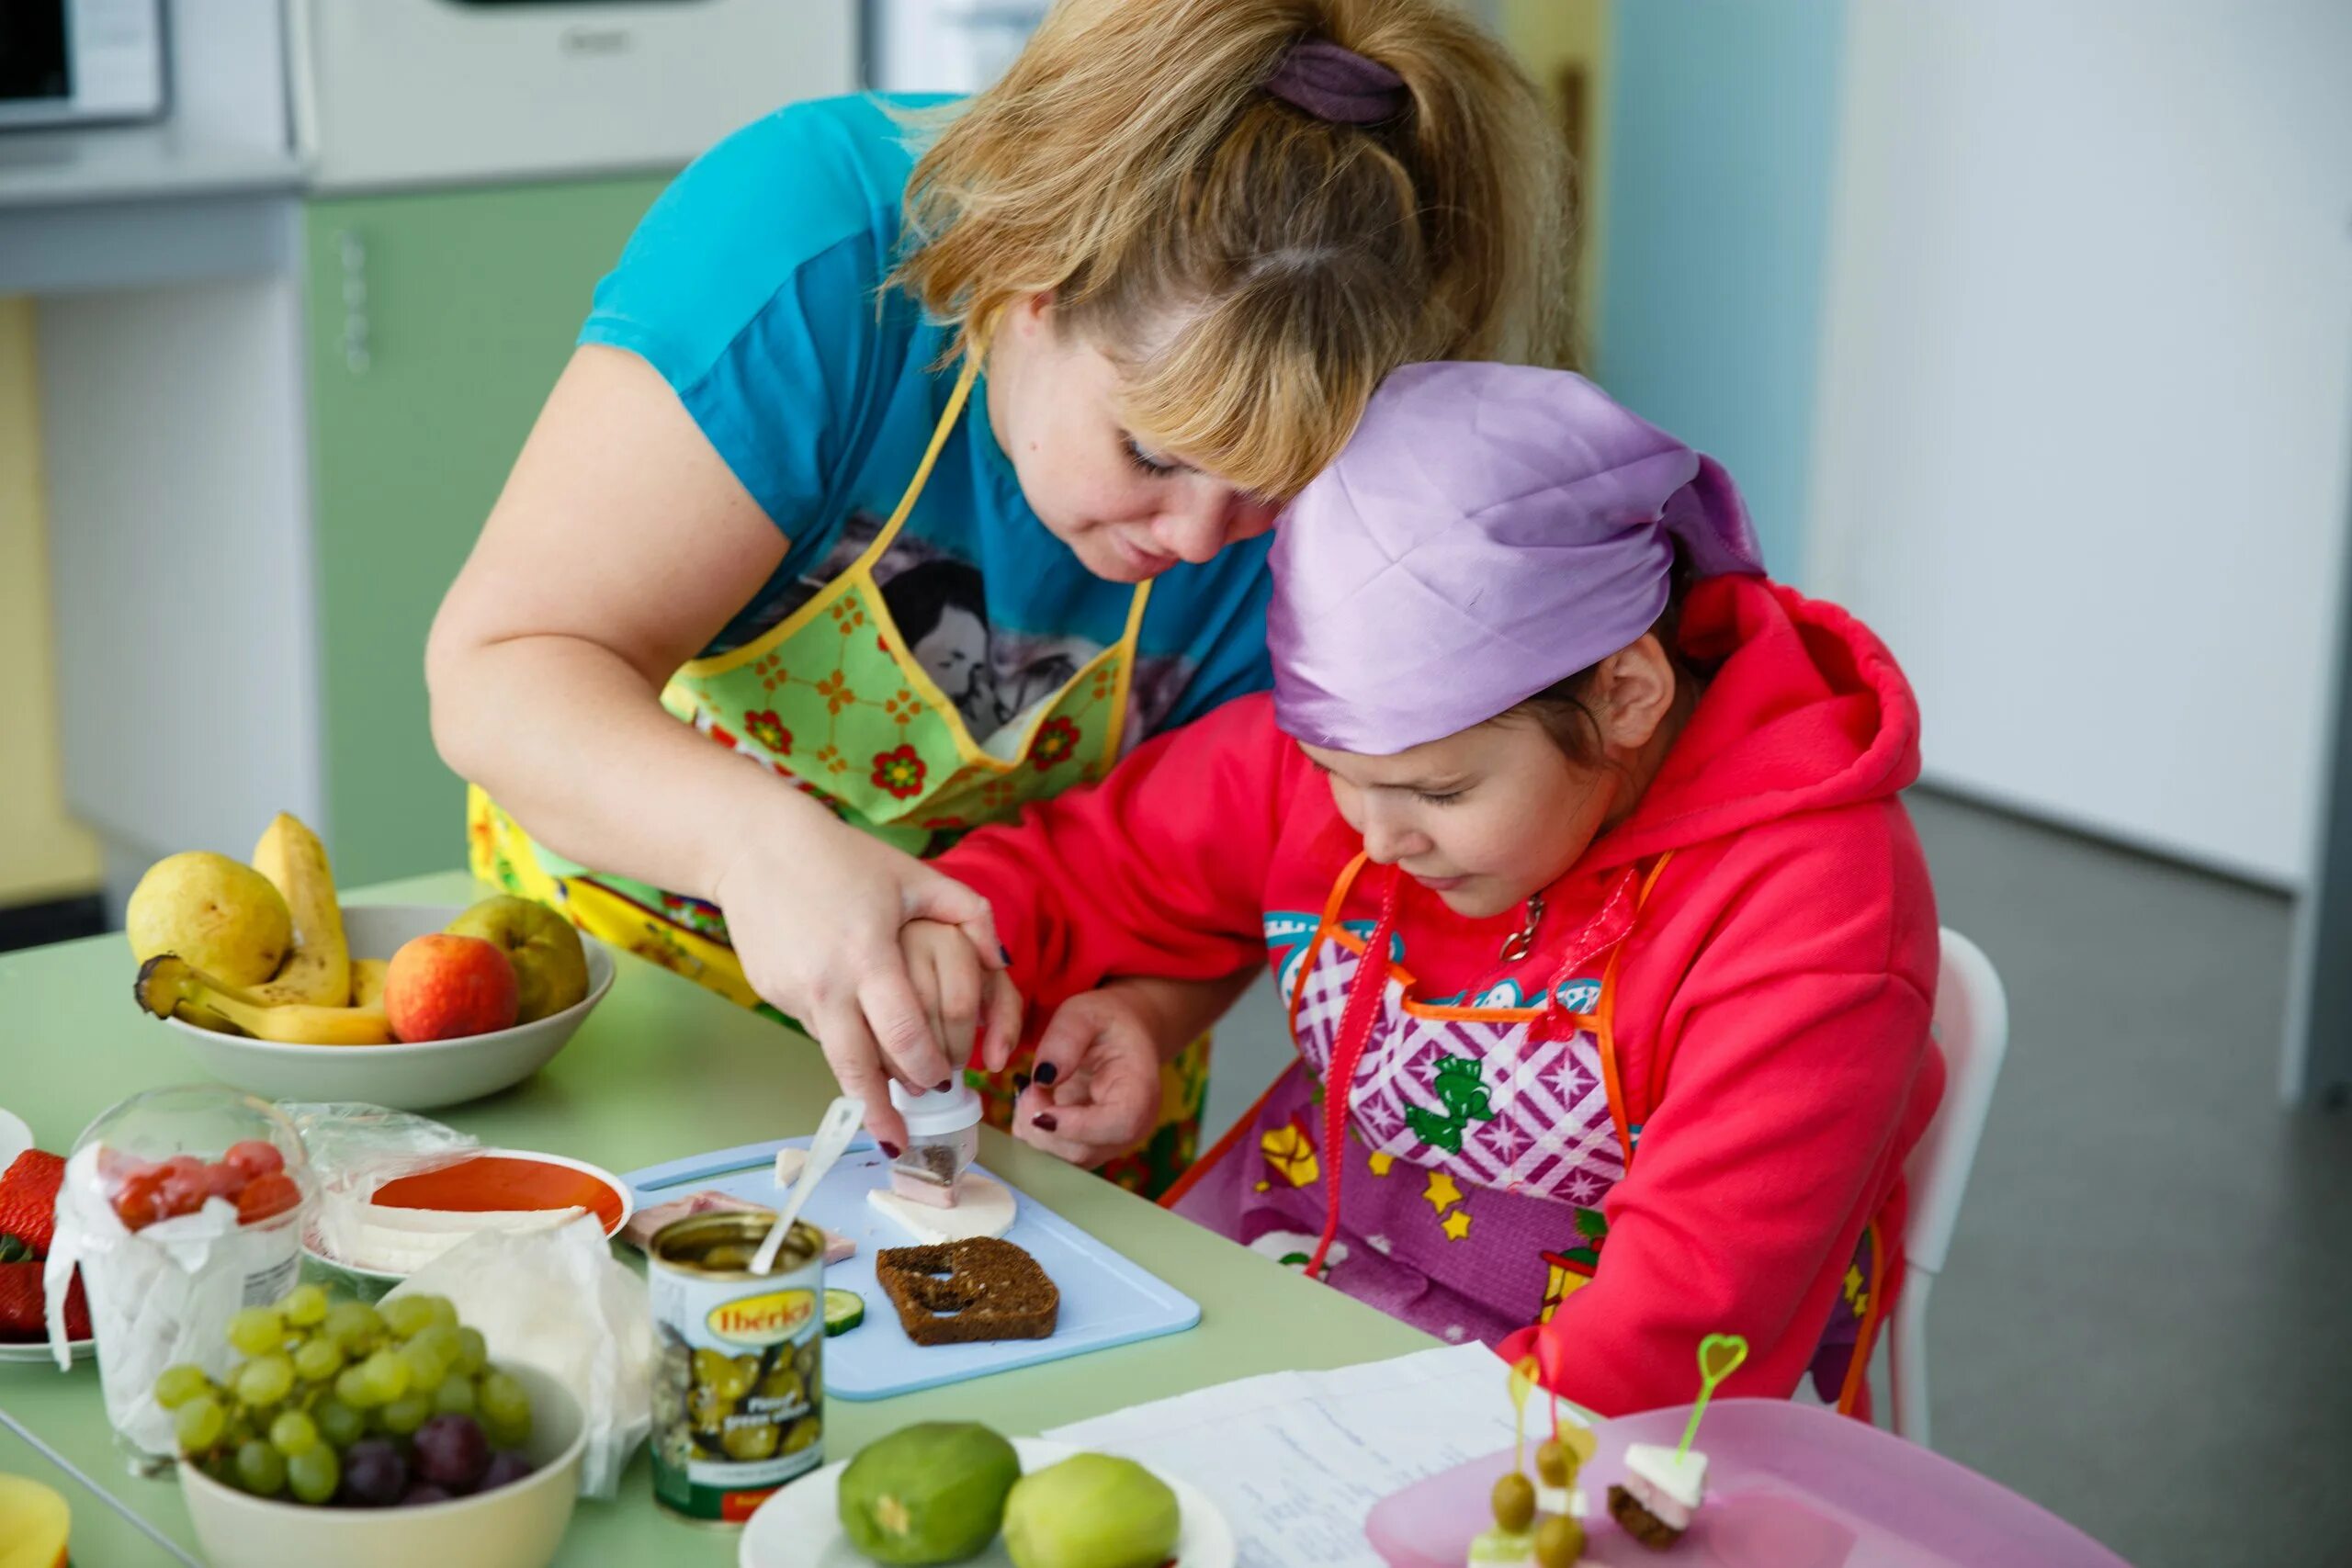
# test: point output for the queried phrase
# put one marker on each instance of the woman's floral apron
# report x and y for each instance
(833, 701)
(1475, 1146)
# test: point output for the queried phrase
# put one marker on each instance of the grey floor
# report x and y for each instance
(2143, 1323)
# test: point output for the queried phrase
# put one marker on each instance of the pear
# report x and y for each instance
(221, 915)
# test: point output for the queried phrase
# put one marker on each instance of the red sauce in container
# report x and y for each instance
(491, 1183)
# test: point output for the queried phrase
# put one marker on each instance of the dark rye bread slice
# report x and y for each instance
(960, 1293)
(1639, 1522)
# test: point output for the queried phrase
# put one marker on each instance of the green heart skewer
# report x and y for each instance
(1720, 1355)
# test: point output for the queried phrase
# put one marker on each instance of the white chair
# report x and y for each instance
(1971, 1026)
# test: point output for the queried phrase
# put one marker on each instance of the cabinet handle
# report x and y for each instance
(353, 252)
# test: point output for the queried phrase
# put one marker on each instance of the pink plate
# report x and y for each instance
(1788, 1486)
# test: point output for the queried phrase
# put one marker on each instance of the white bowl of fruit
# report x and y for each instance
(373, 1437)
(280, 990)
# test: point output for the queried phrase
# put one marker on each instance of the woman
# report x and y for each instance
(1163, 263)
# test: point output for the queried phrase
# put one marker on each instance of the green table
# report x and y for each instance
(661, 1070)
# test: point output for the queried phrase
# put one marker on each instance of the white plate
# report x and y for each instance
(38, 1351)
(15, 1139)
(614, 1184)
(799, 1527)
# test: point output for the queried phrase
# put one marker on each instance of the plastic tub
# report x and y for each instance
(1788, 1486)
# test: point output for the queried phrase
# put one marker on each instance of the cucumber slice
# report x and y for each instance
(844, 1310)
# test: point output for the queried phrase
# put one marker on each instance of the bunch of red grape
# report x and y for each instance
(353, 1406)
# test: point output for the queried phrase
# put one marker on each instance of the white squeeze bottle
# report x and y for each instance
(943, 1140)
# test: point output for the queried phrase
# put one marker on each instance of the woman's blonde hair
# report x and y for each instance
(1253, 271)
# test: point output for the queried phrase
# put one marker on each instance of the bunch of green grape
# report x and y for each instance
(352, 1403)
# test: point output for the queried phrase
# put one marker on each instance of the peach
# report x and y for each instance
(442, 988)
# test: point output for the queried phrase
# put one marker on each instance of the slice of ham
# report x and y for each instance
(646, 1222)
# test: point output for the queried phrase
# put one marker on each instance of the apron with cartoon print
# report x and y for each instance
(833, 701)
(1476, 1144)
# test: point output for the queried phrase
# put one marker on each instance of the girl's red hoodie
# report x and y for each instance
(1773, 996)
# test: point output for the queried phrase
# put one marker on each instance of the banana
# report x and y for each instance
(319, 969)
(368, 982)
(168, 983)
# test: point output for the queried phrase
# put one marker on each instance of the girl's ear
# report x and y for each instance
(1634, 693)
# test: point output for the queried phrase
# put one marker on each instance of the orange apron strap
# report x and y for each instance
(1604, 1036)
(1605, 1022)
(1222, 1147)
(1331, 907)
(1873, 1314)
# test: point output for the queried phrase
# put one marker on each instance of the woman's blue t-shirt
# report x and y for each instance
(754, 286)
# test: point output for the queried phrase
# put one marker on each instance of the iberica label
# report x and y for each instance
(769, 1319)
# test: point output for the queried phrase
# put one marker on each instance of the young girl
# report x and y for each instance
(1608, 946)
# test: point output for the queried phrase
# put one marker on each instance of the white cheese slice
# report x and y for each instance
(404, 1246)
(983, 1208)
(1668, 1486)
(790, 1163)
(1567, 1501)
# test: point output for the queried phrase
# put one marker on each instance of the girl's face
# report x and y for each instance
(1486, 818)
(1482, 818)
(1127, 512)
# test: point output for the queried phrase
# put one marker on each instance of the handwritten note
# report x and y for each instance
(1297, 1460)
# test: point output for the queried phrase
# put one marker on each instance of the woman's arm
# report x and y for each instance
(1160, 871)
(621, 543)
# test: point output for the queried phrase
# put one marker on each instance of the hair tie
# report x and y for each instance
(1336, 85)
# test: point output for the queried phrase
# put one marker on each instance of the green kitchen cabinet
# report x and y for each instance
(436, 321)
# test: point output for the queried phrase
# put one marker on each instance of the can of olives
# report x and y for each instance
(738, 1389)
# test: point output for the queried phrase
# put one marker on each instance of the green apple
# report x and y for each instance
(550, 966)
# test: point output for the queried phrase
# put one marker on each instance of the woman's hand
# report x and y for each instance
(816, 915)
(1093, 1092)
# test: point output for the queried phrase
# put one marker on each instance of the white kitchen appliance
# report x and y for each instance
(436, 92)
(79, 62)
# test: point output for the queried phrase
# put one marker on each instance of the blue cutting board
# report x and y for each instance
(1106, 1299)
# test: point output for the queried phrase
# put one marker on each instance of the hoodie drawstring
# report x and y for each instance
(1364, 995)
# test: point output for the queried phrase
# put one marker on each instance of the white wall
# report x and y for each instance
(180, 551)
(2086, 402)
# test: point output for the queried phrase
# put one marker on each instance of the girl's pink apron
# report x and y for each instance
(1476, 1144)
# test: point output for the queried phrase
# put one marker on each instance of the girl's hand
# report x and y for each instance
(814, 916)
(971, 1006)
(1093, 1093)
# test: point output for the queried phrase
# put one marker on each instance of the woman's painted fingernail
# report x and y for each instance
(1005, 953)
(1021, 1083)
(890, 1150)
(1045, 1072)
(1045, 1121)
(944, 1085)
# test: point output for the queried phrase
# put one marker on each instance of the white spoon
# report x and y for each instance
(842, 1119)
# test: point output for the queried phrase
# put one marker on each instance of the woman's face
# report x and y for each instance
(1129, 513)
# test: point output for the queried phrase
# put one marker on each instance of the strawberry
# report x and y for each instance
(22, 1316)
(28, 1200)
(273, 1194)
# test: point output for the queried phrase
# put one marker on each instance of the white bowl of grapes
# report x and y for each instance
(372, 1436)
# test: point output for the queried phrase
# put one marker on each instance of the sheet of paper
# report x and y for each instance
(1297, 1460)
